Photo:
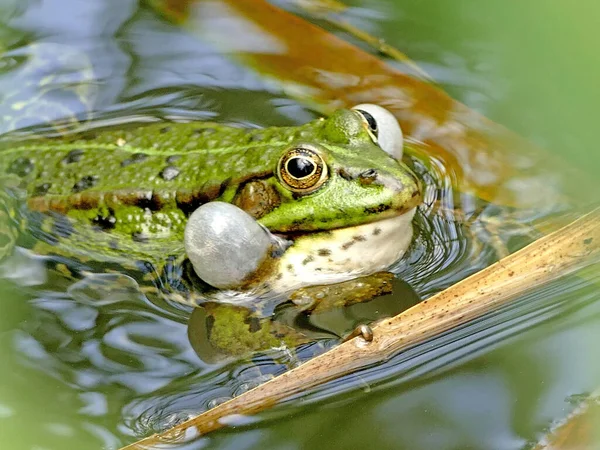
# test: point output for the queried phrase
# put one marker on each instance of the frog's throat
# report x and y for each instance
(343, 254)
(326, 258)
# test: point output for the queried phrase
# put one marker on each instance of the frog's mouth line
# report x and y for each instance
(375, 226)
(383, 216)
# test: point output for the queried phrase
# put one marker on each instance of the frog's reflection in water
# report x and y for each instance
(220, 331)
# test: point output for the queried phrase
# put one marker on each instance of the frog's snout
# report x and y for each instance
(405, 190)
(402, 186)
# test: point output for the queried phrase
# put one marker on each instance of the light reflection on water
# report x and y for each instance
(114, 346)
(486, 385)
(102, 367)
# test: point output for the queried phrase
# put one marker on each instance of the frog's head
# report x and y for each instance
(341, 194)
(349, 173)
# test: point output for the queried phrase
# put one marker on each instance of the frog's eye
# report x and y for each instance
(302, 169)
(383, 128)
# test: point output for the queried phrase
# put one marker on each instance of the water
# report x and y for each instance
(91, 369)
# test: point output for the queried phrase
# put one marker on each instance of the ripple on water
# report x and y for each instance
(105, 337)
(121, 350)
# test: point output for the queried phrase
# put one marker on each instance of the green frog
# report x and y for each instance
(225, 215)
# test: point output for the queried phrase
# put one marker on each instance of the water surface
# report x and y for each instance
(92, 370)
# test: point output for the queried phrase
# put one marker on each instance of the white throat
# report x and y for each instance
(344, 253)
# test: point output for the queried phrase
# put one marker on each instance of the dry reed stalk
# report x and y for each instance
(560, 253)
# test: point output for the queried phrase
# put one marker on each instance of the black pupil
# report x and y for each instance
(300, 167)
(370, 120)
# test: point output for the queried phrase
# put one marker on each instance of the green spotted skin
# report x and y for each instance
(163, 158)
(126, 192)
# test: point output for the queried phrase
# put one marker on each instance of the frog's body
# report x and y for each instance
(125, 195)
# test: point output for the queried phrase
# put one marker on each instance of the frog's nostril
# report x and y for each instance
(368, 176)
(369, 173)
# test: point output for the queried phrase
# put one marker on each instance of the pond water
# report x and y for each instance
(91, 369)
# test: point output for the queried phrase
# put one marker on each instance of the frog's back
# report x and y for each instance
(125, 194)
(158, 162)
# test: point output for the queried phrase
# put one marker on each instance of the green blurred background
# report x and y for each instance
(534, 65)
(529, 65)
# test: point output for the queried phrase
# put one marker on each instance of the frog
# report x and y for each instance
(179, 204)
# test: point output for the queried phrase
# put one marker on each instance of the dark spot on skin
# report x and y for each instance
(138, 236)
(307, 260)
(253, 324)
(210, 323)
(414, 194)
(279, 276)
(318, 269)
(223, 186)
(135, 158)
(171, 159)
(73, 156)
(347, 245)
(149, 201)
(324, 252)
(107, 222)
(377, 209)
(345, 174)
(189, 201)
(85, 183)
(256, 137)
(290, 268)
(62, 226)
(169, 173)
(511, 273)
(297, 223)
(21, 166)
(204, 131)
(588, 241)
(376, 231)
(368, 176)
(354, 240)
(164, 130)
(42, 189)
(138, 157)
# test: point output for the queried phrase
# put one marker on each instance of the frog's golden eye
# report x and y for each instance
(302, 169)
